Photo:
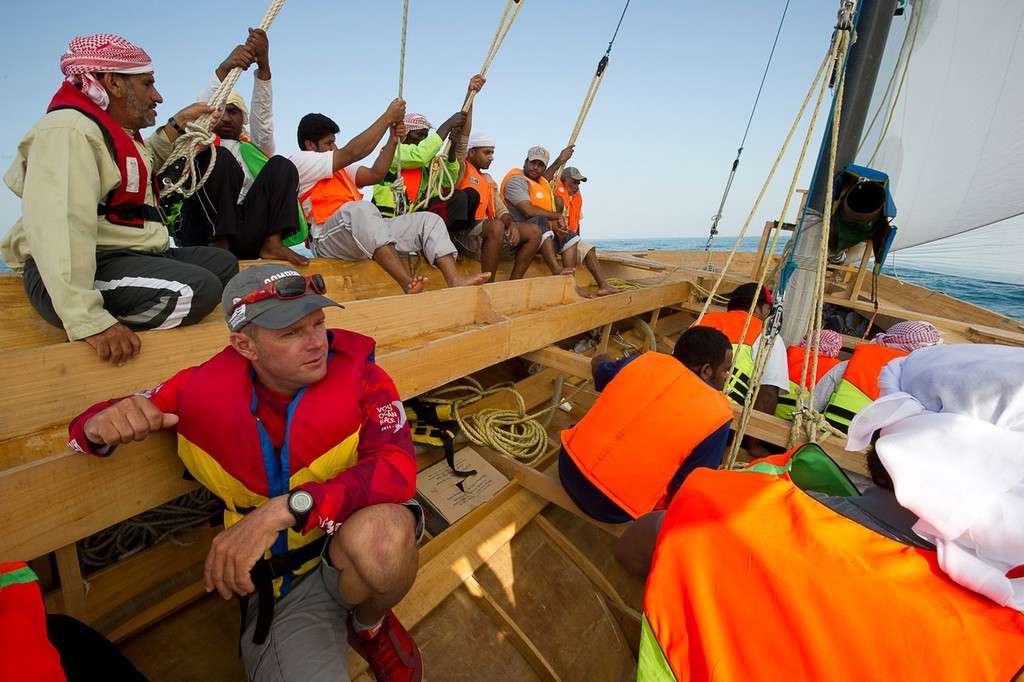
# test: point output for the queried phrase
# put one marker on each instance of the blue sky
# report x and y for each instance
(658, 142)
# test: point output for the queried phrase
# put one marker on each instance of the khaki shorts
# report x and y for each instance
(471, 242)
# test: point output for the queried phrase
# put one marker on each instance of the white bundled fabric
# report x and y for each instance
(952, 438)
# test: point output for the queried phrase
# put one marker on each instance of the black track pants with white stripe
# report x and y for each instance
(149, 291)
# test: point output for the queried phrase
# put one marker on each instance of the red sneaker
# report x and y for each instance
(391, 652)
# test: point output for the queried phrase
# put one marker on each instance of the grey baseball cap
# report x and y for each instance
(538, 154)
(574, 173)
(270, 312)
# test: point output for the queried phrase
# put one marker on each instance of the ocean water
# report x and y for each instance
(1007, 299)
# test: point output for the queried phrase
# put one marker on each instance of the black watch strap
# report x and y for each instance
(174, 124)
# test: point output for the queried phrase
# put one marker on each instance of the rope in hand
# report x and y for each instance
(440, 181)
(198, 134)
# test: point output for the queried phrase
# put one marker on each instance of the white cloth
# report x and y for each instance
(776, 372)
(952, 439)
(261, 124)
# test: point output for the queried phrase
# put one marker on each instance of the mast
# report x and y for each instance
(871, 25)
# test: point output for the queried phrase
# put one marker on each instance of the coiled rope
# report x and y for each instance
(511, 432)
(440, 182)
(198, 134)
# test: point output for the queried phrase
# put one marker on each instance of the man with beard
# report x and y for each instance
(92, 244)
(249, 203)
(494, 235)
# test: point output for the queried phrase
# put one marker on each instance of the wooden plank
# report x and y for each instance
(71, 582)
(576, 556)
(562, 360)
(504, 621)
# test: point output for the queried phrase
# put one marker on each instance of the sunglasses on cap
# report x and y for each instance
(286, 288)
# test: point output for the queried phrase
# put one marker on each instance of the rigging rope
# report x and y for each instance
(398, 185)
(198, 134)
(588, 99)
(440, 181)
(736, 162)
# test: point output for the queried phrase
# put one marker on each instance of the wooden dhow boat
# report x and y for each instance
(506, 592)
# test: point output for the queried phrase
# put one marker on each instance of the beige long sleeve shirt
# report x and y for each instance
(71, 171)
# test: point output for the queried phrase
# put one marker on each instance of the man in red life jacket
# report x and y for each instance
(344, 226)
(92, 244)
(494, 235)
(249, 203)
(304, 438)
(527, 193)
(824, 356)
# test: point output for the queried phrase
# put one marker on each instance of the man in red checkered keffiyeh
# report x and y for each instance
(101, 53)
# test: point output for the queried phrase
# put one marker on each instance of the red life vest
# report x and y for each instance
(233, 457)
(25, 650)
(540, 192)
(795, 358)
(125, 204)
(484, 187)
(328, 195)
(574, 206)
(643, 426)
(753, 579)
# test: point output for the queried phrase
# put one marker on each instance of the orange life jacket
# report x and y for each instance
(328, 195)
(574, 204)
(643, 426)
(731, 324)
(485, 188)
(540, 192)
(737, 388)
(795, 357)
(753, 579)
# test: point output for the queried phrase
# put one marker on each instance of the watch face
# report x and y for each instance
(301, 502)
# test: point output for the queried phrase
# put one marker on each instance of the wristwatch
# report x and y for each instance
(174, 124)
(300, 504)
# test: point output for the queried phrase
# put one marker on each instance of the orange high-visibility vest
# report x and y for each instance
(737, 388)
(540, 192)
(574, 206)
(484, 187)
(731, 324)
(328, 195)
(643, 426)
(753, 579)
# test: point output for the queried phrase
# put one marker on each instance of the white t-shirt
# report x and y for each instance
(776, 372)
(314, 167)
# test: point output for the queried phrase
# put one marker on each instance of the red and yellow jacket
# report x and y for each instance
(796, 591)
(643, 426)
(126, 203)
(347, 443)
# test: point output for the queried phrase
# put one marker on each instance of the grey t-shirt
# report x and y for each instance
(516, 189)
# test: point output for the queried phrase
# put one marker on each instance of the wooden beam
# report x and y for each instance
(523, 644)
(583, 563)
(629, 622)
(71, 582)
(562, 360)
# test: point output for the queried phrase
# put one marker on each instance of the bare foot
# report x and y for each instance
(608, 290)
(275, 250)
(563, 271)
(416, 285)
(471, 280)
(582, 293)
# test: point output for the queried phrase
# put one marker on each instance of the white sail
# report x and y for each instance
(954, 141)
